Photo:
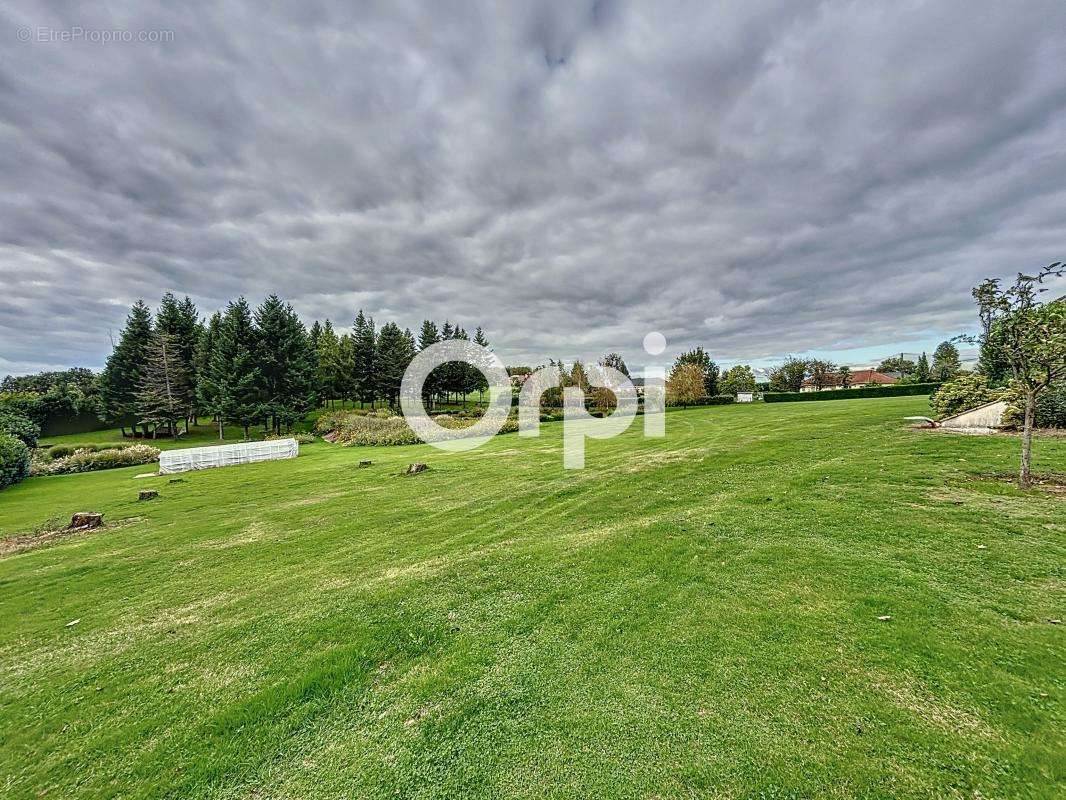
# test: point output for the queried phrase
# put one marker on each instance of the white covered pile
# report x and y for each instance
(226, 455)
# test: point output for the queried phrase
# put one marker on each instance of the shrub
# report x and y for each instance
(90, 460)
(966, 391)
(1050, 408)
(14, 460)
(379, 430)
(895, 390)
(64, 450)
(302, 437)
(20, 426)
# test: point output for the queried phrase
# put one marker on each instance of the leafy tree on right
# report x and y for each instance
(1027, 336)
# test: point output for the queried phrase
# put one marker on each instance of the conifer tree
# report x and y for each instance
(479, 381)
(395, 349)
(462, 372)
(164, 396)
(921, 373)
(345, 372)
(204, 349)
(121, 379)
(946, 363)
(233, 379)
(427, 337)
(314, 334)
(448, 377)
(329, 363)
(181, 321)
(286, 363)
(364, 358)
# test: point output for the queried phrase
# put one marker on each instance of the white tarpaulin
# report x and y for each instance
(226, 455)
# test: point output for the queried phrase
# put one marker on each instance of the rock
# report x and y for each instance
(414, 469)
(148, 494)
(365, 464)
(87, 520)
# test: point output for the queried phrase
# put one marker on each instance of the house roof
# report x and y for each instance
(859, 377)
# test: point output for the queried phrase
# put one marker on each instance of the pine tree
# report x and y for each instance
(946, 364)
(395, 349)
(344, 374)
(181, 321)
(447, 379)
(233, 379)
(364, 368)
(286, 363)
(121, 379)
(315, 334)
(921, 373)
(615, 361)
(480, 382)
(462, 372)
(165, 395)
(427, 337)
(204, 350)
(328, 363)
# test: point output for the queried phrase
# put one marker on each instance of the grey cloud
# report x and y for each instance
(760, 179)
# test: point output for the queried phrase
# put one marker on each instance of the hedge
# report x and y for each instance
(14, 460)
(897, 390)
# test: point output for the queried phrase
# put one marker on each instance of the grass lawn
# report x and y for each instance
(689, 617)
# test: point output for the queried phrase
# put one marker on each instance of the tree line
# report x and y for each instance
(246, 367)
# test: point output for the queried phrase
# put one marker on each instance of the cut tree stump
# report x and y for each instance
(365, 464)
(148, 494)
(414, 469)
(87, 520)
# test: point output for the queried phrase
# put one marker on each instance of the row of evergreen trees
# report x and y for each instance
(245, 367)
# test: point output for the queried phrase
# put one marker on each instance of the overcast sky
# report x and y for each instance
(760, 178)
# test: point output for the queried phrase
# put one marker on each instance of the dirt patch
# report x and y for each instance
(21, 542)
(1050, 482)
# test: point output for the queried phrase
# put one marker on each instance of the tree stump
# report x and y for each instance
(414, 469)
(148, 494)
(365, 464)
(87, 520)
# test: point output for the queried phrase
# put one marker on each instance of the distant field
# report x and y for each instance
(689, 617)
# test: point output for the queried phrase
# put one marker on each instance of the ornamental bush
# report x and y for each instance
(967, 390)
(20, 426)
(14, 460)
(348, 429)
(91, 460)
(1050, 408)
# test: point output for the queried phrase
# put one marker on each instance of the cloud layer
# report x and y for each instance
(759, 178)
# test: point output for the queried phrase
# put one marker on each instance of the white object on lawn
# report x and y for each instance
(226, 455)
(745, 397)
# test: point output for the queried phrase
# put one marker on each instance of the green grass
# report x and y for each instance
(688, 617)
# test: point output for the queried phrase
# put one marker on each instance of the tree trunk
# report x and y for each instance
(221, 430)
(1024, 479)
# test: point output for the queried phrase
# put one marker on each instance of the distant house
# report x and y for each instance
(858, 377)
